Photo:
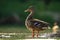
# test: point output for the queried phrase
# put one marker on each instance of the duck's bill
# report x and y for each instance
(26, 11)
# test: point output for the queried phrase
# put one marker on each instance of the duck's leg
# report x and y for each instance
(37, 34)
(33, 34)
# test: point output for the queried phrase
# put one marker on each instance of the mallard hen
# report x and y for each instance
(34, 25)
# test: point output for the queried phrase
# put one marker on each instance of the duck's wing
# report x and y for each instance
(39, 23)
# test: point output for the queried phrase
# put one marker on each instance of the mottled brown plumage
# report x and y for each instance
(34, 24)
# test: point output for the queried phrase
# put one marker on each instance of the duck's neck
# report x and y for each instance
(30, 16)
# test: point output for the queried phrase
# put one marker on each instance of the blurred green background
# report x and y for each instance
(12, 11)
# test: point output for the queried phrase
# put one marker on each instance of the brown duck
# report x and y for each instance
(35, 25)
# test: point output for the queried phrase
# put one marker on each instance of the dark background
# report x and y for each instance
(12, 11)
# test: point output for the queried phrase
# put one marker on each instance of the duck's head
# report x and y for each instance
(30, 9)
(55, 23)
